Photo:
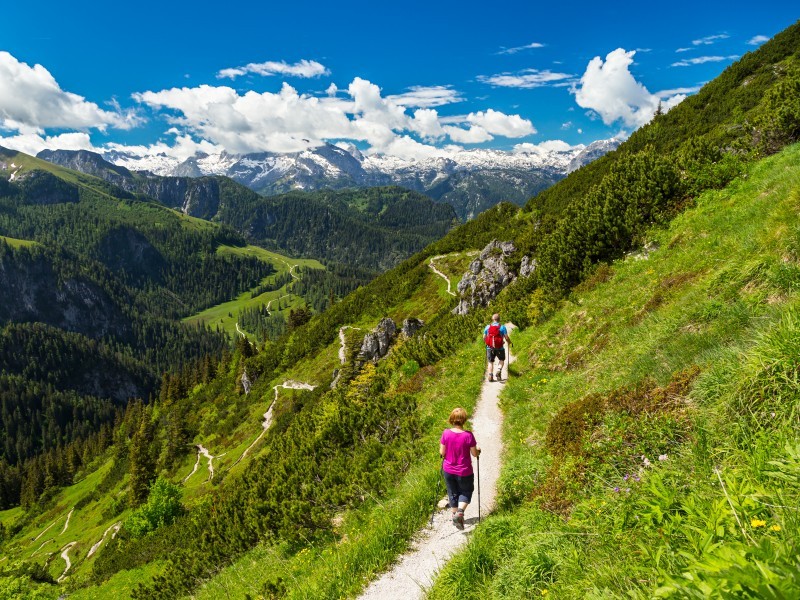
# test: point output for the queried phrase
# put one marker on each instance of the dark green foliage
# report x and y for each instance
(635, 193)
(373, 228)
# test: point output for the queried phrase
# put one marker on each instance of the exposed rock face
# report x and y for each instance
(198, 197)
(411, 327)
(527, 266)
(376, 343)
(245, 382)
(488, 275)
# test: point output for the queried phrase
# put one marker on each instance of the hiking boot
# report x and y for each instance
(499, 376)
(491, 377)
(458, 519)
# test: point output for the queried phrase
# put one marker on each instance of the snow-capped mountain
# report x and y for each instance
(470, 180)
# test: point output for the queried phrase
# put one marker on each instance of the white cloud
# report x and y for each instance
(288, 121)
(31, 101)
(757, 40)
(427, 124)
(567, 125)
(33, 143)
(681, 90)
(702, 60)
(473, 135)
(710, 39)
(302, 68)
(544, 148)
(498, 123)
(516, 49)
(427, 96)
(184, 147)
(683, 49)
(610, 90)
(526, 79)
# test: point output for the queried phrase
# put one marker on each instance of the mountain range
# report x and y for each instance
(469, 180)
(648, 423)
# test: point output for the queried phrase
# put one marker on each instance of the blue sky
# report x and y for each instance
(404, 78)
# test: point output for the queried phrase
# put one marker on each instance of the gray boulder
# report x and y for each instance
(376, 343)
(488, 275)
(527, 266)
(411, 326)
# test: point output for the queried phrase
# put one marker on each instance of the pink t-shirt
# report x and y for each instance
(457, 460)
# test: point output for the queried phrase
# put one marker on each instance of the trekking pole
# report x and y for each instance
(436, 498)
(479, 487)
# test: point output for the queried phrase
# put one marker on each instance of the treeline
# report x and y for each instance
(605, 209)
(373, 228)
(168, 260)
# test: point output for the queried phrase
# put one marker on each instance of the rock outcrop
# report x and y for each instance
(411, 326)
(376, 343)
(527, 266)
(488, 275)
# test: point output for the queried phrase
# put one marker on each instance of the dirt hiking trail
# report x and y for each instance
(414, 573)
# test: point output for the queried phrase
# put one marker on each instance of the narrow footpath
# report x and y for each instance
(414, 573)
(65, 555)
(440, 274)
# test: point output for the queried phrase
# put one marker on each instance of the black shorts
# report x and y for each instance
(459, 488)
(498, 353)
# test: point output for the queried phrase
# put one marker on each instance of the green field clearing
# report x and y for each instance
(16, 243)
(223, 316)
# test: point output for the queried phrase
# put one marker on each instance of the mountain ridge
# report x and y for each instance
(452, 177)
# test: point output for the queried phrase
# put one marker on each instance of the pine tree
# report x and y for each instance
(142, 465)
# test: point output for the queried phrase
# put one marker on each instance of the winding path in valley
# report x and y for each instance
(440, 274)
(65, 555)
(96, 547)
(66, 523)
(269, 312)
(289, 384)
(414, 573)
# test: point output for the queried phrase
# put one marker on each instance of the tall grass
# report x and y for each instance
(717, 516)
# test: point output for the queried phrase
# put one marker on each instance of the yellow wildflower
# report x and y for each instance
(757, 523)
(545, 592)
(775, 528)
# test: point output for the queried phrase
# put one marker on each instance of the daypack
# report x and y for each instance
(493, 337)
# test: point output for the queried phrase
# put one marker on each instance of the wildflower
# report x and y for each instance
(775, 528)
(545, 592)
(627, 489)
(616, 489)
(645, 461)
(754, 523)
(637, 478)
(662, 457)
(625, 478)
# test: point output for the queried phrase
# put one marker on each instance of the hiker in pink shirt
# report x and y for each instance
(457, 446)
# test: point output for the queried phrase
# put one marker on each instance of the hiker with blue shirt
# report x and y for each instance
(494, 335)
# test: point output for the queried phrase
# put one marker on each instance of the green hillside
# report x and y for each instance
(651, 423)
(684, 358)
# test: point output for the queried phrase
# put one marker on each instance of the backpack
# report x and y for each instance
(493, 337)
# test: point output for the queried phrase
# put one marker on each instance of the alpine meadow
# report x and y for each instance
(226, 364)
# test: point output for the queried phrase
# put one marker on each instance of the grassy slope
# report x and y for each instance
(218, 316)
(718, 293)
(16, 243)
(87, 523)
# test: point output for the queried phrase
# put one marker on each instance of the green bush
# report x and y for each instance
(163, 506)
